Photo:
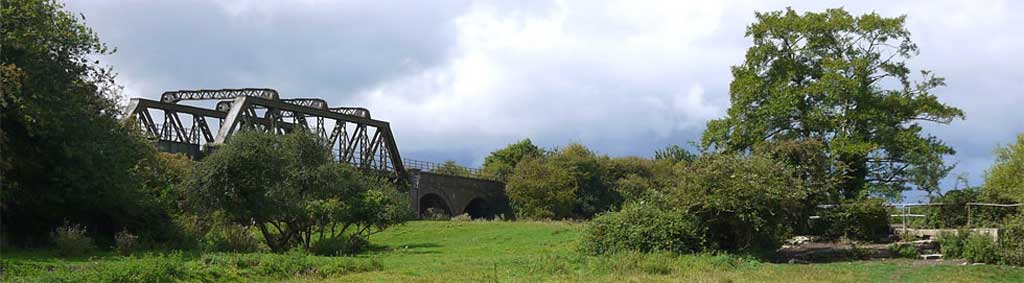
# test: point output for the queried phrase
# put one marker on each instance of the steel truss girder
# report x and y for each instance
(216, 94)
(360, 149)
(173, 128)
(358, 140)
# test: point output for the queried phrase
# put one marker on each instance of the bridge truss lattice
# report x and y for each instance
(353, 136)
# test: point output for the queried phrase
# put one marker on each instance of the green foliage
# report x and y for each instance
(540, 189)
(70, 240)
(291, 189)
(1005, 180)
(502, 162)
(1011, 241)
(449, 167)
(980, 248)
(811, 164)
(633, 178)
(953, 214)
(229, 237)
(66, 152)
(340, 245)
(178, 267)
(952, 245)
(644, 227)
(125, 243)
(596, 182)
(747, 203)
(904, 250)
(845, 81)
(864, 220)
(595, 193)
(674, 153)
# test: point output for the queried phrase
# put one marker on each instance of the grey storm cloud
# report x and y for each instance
(458, 79)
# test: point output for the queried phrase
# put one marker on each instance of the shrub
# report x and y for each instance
(980, 248)
(340, 245)
(904, 250)
(865, 220)
(125, 243)
(746, 202)
(643, 227)
(952, 245)
(70, 240)
(230, 238)
(1011, 241)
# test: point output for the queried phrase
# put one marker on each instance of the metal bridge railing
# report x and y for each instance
(447, 169)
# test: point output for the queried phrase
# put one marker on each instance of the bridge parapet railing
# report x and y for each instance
(448, 169)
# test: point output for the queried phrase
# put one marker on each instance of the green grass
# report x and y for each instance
(441, 251)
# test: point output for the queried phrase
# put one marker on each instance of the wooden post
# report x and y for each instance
(969, 215)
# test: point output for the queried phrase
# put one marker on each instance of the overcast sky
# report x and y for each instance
(458, 79)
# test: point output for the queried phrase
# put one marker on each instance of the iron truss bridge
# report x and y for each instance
(353, 136)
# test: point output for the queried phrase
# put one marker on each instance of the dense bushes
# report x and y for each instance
(1011, 248)
(644, 227)
(575, 182)
(952, 245)
(746, 202)
(863, 220)
(720, 202)
(980, 248)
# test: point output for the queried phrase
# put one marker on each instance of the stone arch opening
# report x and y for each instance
(478, 208)
(432, 206)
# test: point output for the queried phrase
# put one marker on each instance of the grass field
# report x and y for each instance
(441, 251)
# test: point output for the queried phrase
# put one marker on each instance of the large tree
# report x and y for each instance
(844, 81)
(1004, 181)
(66, 155)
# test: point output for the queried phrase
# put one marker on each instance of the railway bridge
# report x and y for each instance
(189, 121)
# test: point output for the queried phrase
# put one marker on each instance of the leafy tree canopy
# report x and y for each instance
(449, 167)
(540, 189)
(674, 153)
(1005, 180)
(501, 162)
(66, 155)
(842, 80)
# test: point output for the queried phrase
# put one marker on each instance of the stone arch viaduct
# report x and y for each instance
(353, 136)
